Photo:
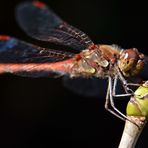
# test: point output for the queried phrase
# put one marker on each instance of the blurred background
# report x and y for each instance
(42, 112)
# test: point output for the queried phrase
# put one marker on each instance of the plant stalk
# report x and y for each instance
(132, 132)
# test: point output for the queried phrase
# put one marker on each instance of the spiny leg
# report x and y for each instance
(115, 111)
(124, 82)
(114, 89)
(107, 103)
(111, 99)
(134, 84)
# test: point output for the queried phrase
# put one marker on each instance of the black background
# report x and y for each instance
(41, 112)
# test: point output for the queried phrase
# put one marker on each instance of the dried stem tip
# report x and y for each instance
(131, 132)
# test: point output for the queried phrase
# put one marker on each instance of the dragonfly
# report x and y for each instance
(83, 58)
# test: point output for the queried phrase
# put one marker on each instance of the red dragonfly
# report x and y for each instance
(91, 60)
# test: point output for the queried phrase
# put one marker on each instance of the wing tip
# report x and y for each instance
(4, 37)
(38, 4)
(34, 3)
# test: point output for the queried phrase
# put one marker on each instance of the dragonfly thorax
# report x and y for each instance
(95, 62)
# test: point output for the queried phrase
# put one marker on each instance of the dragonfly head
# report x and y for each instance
(131, 62)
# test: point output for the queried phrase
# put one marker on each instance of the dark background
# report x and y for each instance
(41, 112)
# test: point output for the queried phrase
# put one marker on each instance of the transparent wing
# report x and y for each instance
(20, 57)
(41, 23)
(87, 87)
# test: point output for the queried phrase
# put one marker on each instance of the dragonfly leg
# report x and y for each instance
(114, 89)
(107, 103)
(110, 100)
(124, 82)
(134, 84)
